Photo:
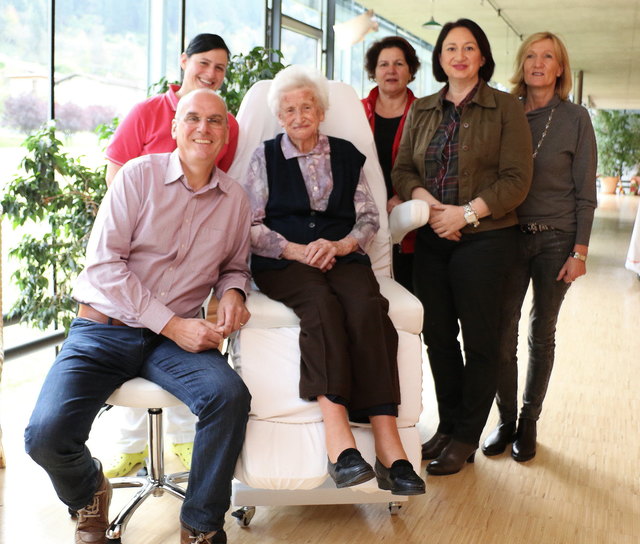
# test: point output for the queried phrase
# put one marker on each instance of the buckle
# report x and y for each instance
(534, 228)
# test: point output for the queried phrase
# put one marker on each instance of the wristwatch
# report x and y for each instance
(470, 215)
(579, 256)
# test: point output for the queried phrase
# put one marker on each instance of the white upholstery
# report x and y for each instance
(141, 393)
(406, 217)
(284, 460)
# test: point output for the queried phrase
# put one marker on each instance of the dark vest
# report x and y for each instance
(288, 210)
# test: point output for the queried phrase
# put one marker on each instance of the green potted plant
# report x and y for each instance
(618, 137)
(59, 190)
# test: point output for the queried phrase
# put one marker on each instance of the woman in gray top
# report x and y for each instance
(555, 225)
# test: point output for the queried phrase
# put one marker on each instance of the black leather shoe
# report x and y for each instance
(400, 479)
(497, 441)
(350, 469)
(452, 458)
(434, 446)
(524, 447)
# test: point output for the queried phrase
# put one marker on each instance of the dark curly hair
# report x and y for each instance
(372, 54)
(486, 70)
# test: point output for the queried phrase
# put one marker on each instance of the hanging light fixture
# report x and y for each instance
(354, 30)
(432, 23)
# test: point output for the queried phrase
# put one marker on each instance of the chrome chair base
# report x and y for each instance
(155, 483)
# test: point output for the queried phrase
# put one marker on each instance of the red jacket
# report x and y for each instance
(369, 104)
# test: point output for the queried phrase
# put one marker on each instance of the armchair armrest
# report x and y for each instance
(406, 217)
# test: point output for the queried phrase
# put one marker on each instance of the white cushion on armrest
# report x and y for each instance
(406, 217)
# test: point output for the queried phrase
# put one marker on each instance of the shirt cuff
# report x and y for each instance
(156, 316)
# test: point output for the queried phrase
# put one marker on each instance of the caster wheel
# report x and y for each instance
(394, 508)
(244, 515)
(73, 513)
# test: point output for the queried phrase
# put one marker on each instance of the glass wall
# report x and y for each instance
(349, 61)
(108, 52)
(241, 23)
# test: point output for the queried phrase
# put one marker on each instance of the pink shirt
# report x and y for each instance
(147, 129)
(315, 167)
(157, 248)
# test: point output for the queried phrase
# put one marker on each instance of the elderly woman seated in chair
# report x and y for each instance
(313, 217)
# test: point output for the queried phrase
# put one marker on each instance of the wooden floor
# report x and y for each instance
(582, 487)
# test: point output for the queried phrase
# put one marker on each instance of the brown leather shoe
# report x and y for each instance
(191, 536)
(93, 519)
(452, 458)
(434, 446)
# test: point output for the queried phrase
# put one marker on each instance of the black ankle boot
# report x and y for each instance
(452, 458)
(434, 446)
(497, 441)
(524, 447)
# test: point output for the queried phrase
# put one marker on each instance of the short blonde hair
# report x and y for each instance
(563, 82)
(298, 77)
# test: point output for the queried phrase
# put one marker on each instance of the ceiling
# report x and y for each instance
(603, 38)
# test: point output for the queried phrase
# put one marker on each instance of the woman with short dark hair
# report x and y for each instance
(392, 63)
(466, 151)
(147, 127)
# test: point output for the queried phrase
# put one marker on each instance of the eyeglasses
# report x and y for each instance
(215, 121)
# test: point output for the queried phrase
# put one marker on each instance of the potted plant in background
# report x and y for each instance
(58, 189)
(618, 137)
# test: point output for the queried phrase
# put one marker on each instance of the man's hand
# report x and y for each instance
(232, 312)
(193, 335)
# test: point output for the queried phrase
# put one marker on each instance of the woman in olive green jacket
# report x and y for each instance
(466, 151)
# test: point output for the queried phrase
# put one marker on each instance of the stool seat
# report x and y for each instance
(141, 393)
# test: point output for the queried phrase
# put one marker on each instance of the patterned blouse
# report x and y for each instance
(316, 172)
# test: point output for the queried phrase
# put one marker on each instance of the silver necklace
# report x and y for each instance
(544, 132)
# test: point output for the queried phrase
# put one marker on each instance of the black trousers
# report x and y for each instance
(460, 285)
(348, 344)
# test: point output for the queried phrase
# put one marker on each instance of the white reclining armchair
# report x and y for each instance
(284, 460)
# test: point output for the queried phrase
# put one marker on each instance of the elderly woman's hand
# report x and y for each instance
(322, 254)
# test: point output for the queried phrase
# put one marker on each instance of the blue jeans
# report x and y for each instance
(461, 287)
(539, 260)
(96, 359)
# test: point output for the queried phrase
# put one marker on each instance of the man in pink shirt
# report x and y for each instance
(145, 130)
(171, 227)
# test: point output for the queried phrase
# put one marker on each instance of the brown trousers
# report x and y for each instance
(348, 345)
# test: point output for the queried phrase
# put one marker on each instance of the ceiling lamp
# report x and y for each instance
(432, 23)
(354, 30)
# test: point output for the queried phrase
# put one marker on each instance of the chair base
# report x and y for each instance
(149, 487)
(155, 483)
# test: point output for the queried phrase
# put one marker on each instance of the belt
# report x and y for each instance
(533, 228)
(87, 312)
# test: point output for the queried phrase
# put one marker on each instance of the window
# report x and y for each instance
(241, 23)
(349, 62)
